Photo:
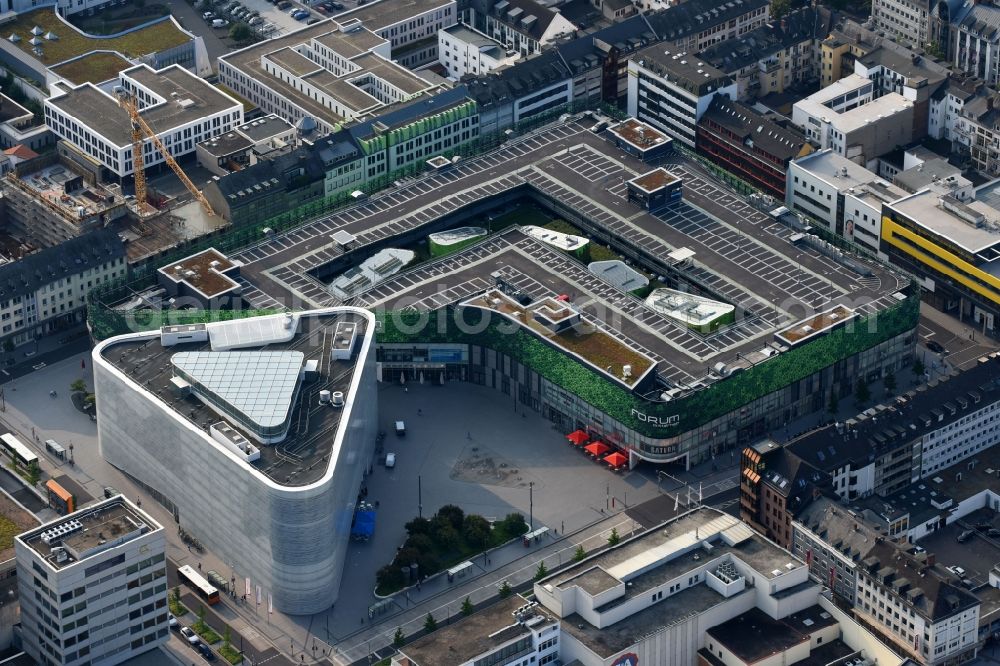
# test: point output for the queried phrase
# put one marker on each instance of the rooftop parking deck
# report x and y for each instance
(302, 457)
(741, 255)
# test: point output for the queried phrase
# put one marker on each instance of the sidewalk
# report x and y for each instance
(512, 563)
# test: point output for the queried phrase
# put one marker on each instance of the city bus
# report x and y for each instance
(17, 452)
(198, 585)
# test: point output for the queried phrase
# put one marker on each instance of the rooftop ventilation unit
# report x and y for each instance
(61, 531)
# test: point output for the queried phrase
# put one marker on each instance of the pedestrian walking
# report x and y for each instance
(199, 566)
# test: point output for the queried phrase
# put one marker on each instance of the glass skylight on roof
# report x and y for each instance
(255, 387)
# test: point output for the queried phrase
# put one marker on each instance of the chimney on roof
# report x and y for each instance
(931, 559)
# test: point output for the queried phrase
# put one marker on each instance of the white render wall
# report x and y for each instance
(290, 540)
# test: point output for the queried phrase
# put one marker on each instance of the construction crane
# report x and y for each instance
(141, 130)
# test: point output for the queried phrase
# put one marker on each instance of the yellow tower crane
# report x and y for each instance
(141, 130)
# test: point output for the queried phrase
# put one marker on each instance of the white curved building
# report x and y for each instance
(231, 425)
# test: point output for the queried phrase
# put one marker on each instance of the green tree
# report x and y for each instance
(514, 524)
(430, 624)
(933, 49)
(505, 590)
(614, 539)
(476, 530)
(240, 32)
(78, 386)
(227, 637)
(467, 607)
(541, 571)
(418, 526)
(779, 8)
(446, 536)
(177, 594)
(454, 514)
(861, 392)
(918, 368)
(834, 403)
(890, 382)
(579, 554)
(398, 638)
(34, 474)
(201, 616)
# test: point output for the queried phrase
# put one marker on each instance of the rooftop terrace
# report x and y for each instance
(302, 457)
(583, 340)
(204, 271)
(639, 134)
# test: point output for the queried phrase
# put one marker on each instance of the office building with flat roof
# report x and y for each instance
(255, 433)
(700, 588)
(852, 118)
(842, 196)
(180, 107)
(671, 90)
(954, 245)
(93, 585)
(333, 72)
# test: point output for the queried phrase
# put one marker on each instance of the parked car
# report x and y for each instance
(935, 346)
(256, 20)
(190, 636)
(339, 6)
(283, 4)
(993, 532)
(301, 16)
(206, 651)
(220, 23)
(172, 622)
(313, 20)
(958, 571)
(208, 15)
(965, 536)
(390, 460)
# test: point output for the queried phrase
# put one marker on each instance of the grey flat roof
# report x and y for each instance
(383, 13)
(226, 144)
(87, 532)
(293, 61)
(102, 113)
(924, 209)
(298, 459)
(658, 617)
(265, 127)
(470, 637)
(343, 90)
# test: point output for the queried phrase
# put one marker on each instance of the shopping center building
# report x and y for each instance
(255, 433)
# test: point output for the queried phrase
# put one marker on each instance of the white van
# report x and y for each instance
(390, 460)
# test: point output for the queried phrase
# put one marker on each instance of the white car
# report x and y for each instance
(190, 636)
(390, 460)
(172, 621)
(958, 571)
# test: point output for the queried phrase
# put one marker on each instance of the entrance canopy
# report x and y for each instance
(578, 437)
(597, 448)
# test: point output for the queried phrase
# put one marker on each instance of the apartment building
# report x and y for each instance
(93, 585)
(47, 291)
(907, 20)
(534, 87)
(932, 436)
(912, 76)
(182, 108)
(975, 47)
(672, 90)
(919, 608)
(525, 26)
(695, 25)
(945, 118)
(774, 57)
(749, 144)
(843, 197)
(332, 73)
(856, 122)
(259, 139)
(463, 50)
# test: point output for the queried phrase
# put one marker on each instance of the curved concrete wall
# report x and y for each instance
(291, 541)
